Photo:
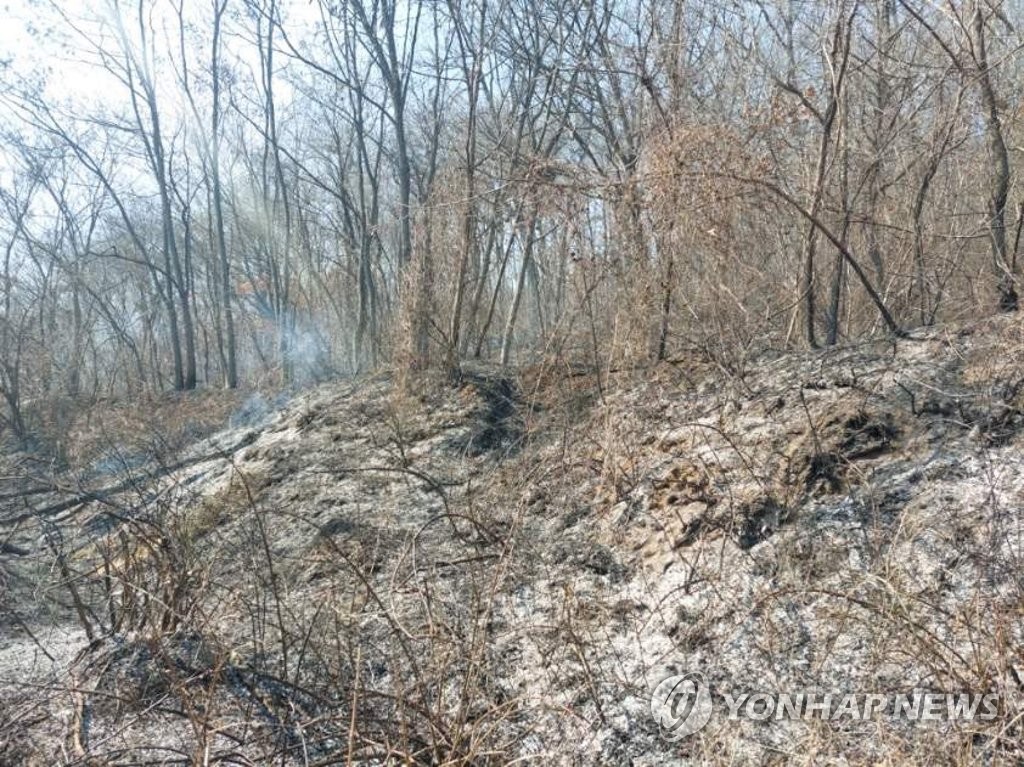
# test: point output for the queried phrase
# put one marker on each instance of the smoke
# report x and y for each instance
(116, 462)
(308, 355)
(257, 410)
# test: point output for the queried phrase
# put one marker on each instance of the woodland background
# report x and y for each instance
(260, 192)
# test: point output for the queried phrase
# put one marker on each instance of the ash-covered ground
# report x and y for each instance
(500, 571)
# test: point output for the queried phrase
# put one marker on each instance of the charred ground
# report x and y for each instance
(504, 569)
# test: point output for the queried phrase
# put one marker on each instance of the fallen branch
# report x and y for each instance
(80, 496)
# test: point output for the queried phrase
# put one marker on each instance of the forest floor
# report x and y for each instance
(502, 571)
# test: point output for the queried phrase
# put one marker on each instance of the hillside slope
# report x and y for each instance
(506, 569)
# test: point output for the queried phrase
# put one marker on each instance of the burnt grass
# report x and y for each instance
(475, 576)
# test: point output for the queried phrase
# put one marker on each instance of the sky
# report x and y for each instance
(36, 40)
(55, 41)
(31, 40)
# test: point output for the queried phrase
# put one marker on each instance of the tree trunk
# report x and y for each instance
(999, 170)
(517, 296)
